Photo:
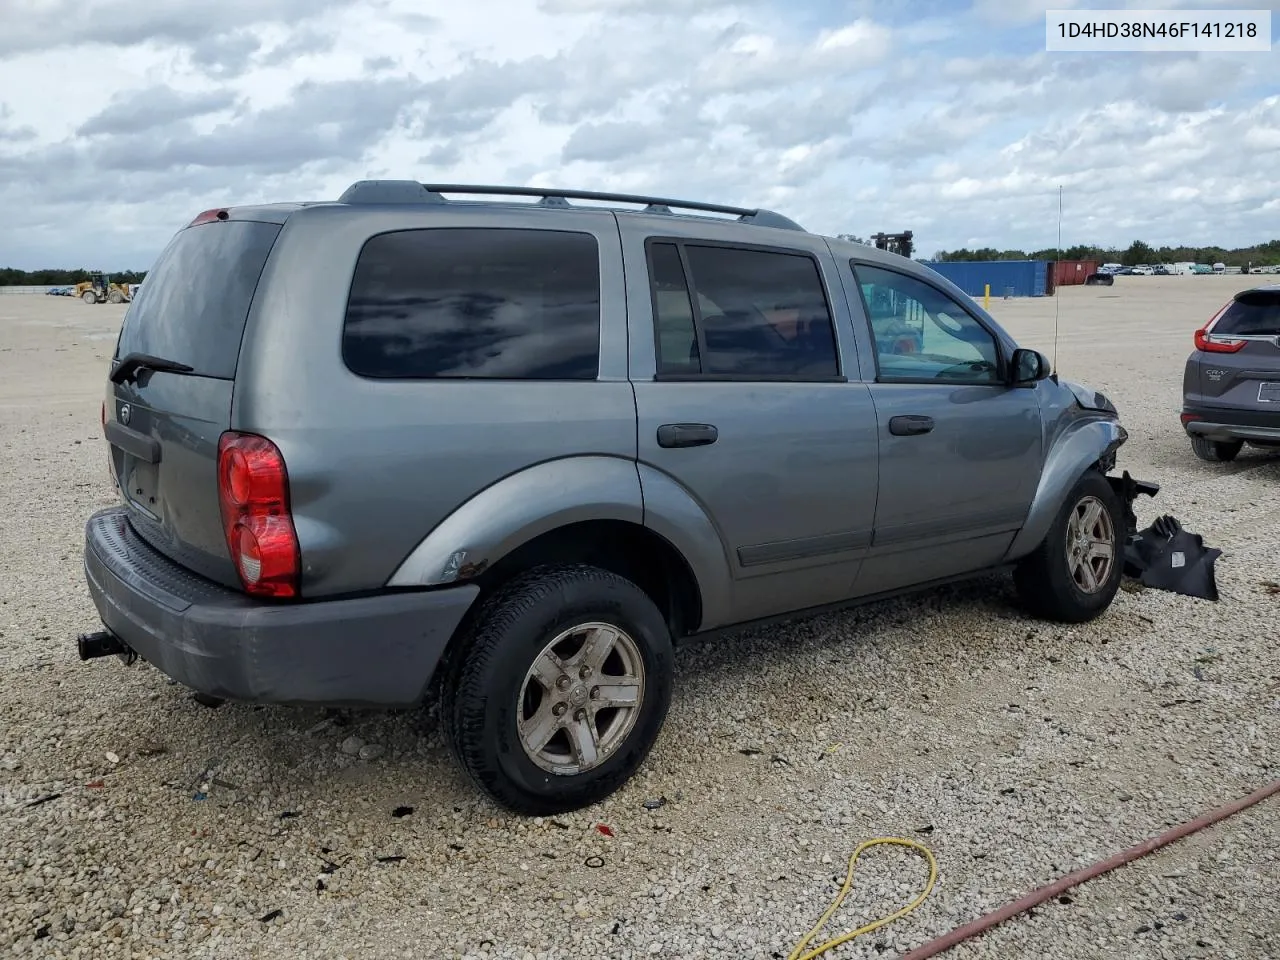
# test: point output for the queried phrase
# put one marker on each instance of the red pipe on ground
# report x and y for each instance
(1037, 897)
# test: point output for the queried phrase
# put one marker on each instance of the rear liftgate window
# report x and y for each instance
(475, 303)
(194, 303)
(1255, 313)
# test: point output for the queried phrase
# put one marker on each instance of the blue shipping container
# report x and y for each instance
(1008, 278)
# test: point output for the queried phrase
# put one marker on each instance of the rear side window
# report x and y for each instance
(742, 313)
(1253, 313)
(194, 302)
(475, 302)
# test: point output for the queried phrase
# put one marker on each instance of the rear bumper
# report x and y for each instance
(369, 651)
(1227, 424)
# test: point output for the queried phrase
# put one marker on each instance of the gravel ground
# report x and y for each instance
(1018, 751)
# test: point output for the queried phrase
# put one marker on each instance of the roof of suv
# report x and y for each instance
(411, 192)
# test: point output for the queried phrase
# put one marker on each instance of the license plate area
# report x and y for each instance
(139, 482)
(1269, 392)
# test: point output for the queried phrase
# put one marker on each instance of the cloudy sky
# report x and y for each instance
(120, 119)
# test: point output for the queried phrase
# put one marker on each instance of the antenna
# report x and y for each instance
(1057, 300)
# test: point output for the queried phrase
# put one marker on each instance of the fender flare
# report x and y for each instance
(1077, 448)
(517, 508)
(672, 512)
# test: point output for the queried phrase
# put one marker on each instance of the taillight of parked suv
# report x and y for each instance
(1207, 341)
(253, 490)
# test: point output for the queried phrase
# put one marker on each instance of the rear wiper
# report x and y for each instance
(131, 363)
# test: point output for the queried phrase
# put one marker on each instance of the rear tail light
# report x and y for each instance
(253, 491)
(1206, 341)
(1210, 344)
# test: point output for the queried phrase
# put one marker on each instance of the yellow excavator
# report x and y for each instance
(99, 289)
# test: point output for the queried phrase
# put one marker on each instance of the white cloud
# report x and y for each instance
(862, 37)
(120, 119)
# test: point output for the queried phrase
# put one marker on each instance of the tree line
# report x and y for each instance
(13, 277)
(1260, 254)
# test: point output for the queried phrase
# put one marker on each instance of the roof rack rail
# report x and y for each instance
(411, 191)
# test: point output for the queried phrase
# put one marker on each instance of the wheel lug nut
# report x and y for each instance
(559, 709)
(564, 682)
(580, 715)
(595, 693)
(584, 672)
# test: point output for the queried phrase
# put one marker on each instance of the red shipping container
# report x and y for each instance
(1065, 273)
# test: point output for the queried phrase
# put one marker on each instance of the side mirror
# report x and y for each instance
(1028, 367)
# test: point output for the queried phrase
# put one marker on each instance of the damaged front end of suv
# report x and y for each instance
(1082, 433)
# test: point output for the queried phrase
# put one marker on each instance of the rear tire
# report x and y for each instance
(116, 296)
(1062, 580)
(1216, 451)
(526, 667)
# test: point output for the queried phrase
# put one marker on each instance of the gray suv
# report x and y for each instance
(1231, 382)
(442, 436)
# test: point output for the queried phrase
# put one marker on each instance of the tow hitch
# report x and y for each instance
(104, 644)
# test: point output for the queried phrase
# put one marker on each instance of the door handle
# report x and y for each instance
(687, 434)
(910, 425)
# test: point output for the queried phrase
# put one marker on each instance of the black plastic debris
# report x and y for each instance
(401, 812)
(655, 804)
(42, 800)
(1167, 557)
(268, 917)
(289, 814)
(391, 859)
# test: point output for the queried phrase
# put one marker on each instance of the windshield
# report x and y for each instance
(194, 304)
(1254, 313)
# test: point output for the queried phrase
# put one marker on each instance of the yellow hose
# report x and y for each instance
(799, 952)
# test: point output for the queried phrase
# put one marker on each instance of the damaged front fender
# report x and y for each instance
(1088, 442)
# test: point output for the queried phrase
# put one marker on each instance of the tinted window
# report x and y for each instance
(923, 334)
(1254, 313)
(761, 313)
(673, 313)
(195, 300)
(483, 302)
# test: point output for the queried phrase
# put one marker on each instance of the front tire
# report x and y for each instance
(1216, 451)
(559, 689)
(1074, 574)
